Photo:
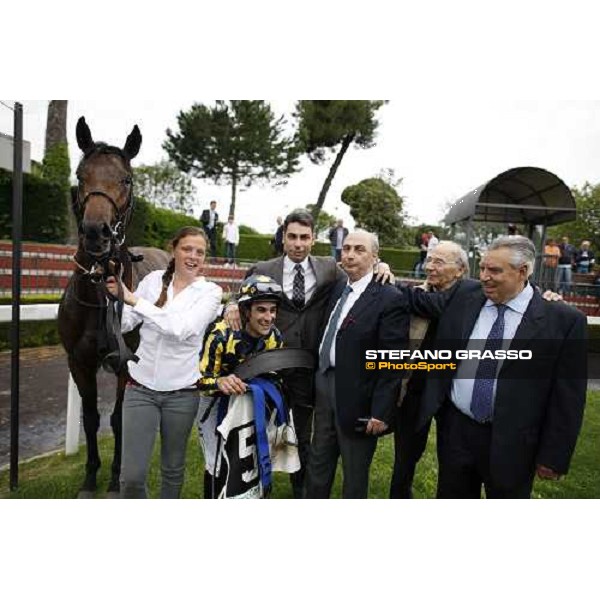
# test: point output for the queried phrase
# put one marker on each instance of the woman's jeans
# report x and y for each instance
(146, 412)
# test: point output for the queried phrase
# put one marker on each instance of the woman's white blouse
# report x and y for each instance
(171, 336)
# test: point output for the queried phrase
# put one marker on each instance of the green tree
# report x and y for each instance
(335, 125)
(56, 165)
(236, 142)
(165, 186)
(324, 220)
(376, 206)
(587, 224)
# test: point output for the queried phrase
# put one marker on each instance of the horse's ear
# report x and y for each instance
(133, 143)
(84, 135)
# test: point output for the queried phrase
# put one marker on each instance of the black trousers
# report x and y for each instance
(329, 442)
(464, 458)
(409, 446)
(211, 234)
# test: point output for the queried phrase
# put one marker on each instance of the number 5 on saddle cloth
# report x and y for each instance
(255, 431)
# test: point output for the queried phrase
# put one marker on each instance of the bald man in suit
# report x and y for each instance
(307, 283)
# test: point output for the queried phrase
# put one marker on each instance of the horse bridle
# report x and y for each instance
(117, 232)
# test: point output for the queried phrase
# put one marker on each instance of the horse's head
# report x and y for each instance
(103, 200)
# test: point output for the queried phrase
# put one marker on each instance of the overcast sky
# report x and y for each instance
(441, 150)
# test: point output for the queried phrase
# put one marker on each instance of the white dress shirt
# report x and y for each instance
(358, 287)
(289, 272)
(463, 382)
(170, 336)
(211, 218)
(231, 233)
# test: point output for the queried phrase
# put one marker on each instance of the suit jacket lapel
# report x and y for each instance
(368, 297)
(317, 268)
(470, 313)
(335, 295)
(529, 329)
(532, 321)
(276, 272)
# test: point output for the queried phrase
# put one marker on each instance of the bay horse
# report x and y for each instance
(103, 204)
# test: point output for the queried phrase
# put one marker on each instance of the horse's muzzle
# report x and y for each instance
(96, 238)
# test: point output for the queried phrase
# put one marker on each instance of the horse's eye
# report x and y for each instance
(127, 180)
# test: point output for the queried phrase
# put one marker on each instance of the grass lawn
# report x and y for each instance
(58, 476)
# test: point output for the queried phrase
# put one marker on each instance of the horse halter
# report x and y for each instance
(117, 233)
(123, 217)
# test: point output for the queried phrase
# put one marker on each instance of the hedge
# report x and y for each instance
(258, 247)
(32, 334)
(45, 217)
(153, 226)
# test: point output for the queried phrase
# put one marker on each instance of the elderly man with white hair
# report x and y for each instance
(445, 266)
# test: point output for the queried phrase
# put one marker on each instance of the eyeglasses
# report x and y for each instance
(439, 262)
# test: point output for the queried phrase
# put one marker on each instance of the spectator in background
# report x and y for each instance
(422, 241)
(337, 235)
(511, 229)
(231, 235)
(566, 262)
(551, 258)
(584, 259)
(432, 242)
(277, 239)
(209, 220)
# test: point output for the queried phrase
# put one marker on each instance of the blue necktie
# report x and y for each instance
(482, 405)
(324, 362)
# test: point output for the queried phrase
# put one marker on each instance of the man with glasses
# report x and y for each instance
(445, 265)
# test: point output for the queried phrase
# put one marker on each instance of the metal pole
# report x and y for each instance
(17, 218)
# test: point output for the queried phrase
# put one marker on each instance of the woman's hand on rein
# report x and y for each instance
(113, 288)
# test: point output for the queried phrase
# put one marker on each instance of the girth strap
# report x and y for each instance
(275, 360)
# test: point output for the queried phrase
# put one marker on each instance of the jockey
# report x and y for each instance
(223, 350)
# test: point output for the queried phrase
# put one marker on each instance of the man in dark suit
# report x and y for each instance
(307, 283)
(353, 405)
(337, 234)
(277, 239)
(209, 219)
(501, 422)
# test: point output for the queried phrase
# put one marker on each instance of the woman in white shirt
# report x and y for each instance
(175, 307)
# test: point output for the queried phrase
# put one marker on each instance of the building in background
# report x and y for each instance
(6, 153)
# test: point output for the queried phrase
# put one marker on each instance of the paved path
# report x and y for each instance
(43, 402)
